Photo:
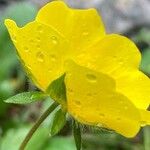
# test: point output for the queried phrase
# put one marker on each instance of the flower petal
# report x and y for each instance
(55, 14)
(145, 117)
(92, 100)
(118, 57)
(40, 48)
(79, 26)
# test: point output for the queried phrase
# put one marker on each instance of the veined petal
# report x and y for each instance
(40, 48)
(92, 100)
(118, 57)
(79, 26)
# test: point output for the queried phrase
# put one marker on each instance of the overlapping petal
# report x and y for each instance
(92, 99)
(118, 57)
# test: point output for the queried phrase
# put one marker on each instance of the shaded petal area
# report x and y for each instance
(92, 100)
(40, 48)
(118, 57)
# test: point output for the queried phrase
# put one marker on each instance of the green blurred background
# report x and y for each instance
(15, 121)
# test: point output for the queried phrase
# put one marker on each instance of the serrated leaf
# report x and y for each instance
(77, 135)
(26, 98)
(57, 90)
(58, 123)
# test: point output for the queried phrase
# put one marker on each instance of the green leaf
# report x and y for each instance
(58, 123)
(26, 98)
(60, 143)
(57, 90)
(77, 134)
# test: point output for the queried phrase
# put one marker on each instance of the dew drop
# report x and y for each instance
(70, 90)
(38, 46)
(40, 56)
(54, 39)
(50, 71)
(125, 107)
(78, 103)
(53, 57)
(31, 41)
(85, 33)
(38, 39)
(89, 94)
(91, 77)
(26, 49)
(40, 29)
(143, 123)
(118, 118)
(101, 115)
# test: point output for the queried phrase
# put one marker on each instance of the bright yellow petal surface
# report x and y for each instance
(40, 48)
(118, 57)
(145, 117)
(79, 26)
(92, 100)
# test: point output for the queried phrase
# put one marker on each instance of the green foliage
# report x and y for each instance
(145, 63)
(40, 140)
(14, 137)
(60, 143)
(26, 98)
(77, 135)
(57, 90)
(58, 123)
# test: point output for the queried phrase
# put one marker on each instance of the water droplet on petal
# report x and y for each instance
(53, 57)
(125, 107)
(89, 94)
(91, 77)
(118, 118)
(54, 39)
(78, 103)
(49, 70)
(70, 90)
(40, 56)
(101, 115)
(31, 41)
(143, 123)
(38, 39)
(26, 49)
(85, 33)
(39, 29)
(38, 46)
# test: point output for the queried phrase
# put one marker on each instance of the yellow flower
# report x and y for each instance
(104, 85)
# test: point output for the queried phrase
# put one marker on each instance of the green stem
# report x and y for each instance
(147, 138)
(37, 124)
